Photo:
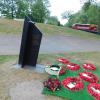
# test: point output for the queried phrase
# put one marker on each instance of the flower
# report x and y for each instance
(73, 83)
(62, 70)
(94, 90)
(52, 84)
(89, 77)
(63, 60)
(89, 66)
(73, 67)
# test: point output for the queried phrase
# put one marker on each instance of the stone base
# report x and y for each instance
(38, 68)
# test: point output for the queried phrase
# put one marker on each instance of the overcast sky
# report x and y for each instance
(60, 6)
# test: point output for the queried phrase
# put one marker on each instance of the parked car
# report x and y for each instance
(86, 27)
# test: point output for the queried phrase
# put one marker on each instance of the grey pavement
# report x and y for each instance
(10, 44)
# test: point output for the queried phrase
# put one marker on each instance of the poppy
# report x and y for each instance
(52, 84)
(89, 77)
(88, 66)
(73, 83)
(63, 60)
(73, 67)
(94, 90)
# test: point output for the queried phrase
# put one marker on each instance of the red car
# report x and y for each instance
(86, 27)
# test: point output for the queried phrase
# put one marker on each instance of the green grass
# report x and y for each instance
(8, 26)
(92, 57)
(7, 58)
(59, 30)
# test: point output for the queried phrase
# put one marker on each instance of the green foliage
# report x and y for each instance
(22, 9)
(19, 8)
(86, 6)
(74, 18)
(89, 1)
(53, 20)
(8, 8)
(39, 11)
(94, 15)
(67, 14)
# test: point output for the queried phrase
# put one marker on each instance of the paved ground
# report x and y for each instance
(50, 44)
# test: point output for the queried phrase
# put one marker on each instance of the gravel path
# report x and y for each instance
(10, 44)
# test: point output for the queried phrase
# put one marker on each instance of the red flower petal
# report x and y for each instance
(62, 71)
(73, 67)
(52, 84)
(89, 66)
(94, 90)
(89, 77)
(73, 83)
(63, 60)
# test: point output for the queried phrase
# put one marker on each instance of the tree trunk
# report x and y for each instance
(12, 10)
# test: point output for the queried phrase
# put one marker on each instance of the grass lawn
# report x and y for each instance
(8, 26)
(92, 57)
(7, 58)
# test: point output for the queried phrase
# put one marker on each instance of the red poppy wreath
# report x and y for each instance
(73, 83)
(62, 71)
(94, 90)
(89, 77)
(73, 67)
(88, 66)
(63, 60)
(52, 84)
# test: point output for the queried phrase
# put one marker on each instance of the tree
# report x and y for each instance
(22, 8)
(74, 18)
(94, 14)
(8, 8)
(46, 3)
(19, 8)
(39, 11)
(86, 6)
(90, 1)
(53, 20)
(66, 14)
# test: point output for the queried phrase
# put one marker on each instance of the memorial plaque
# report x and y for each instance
(30, 44)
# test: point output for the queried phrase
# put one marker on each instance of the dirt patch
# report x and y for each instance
(21, 84)
(30, 90)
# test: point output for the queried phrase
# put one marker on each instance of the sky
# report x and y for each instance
(60, 6)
